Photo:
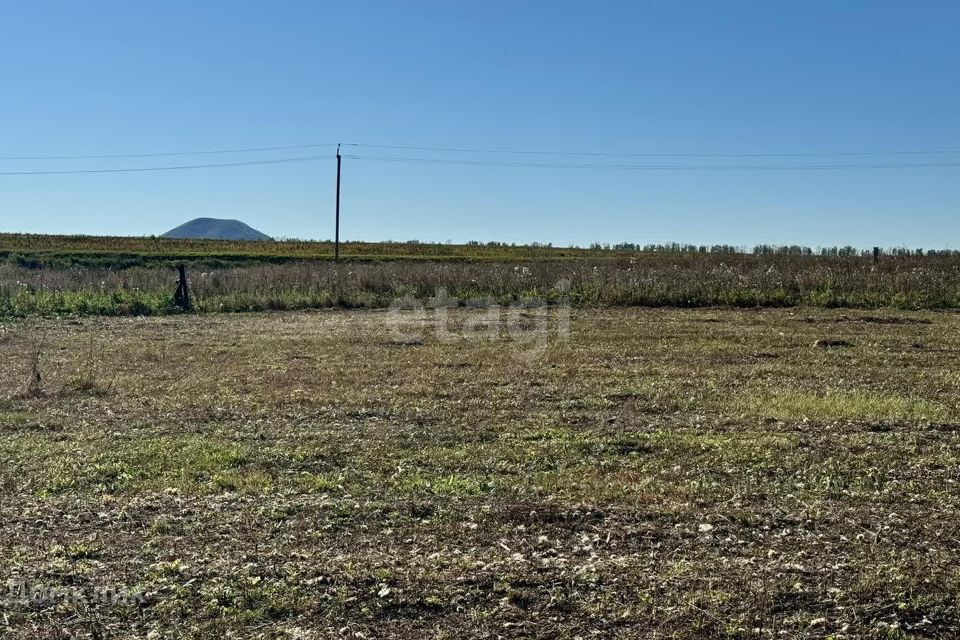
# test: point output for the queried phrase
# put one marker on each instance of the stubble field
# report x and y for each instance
(656, 474)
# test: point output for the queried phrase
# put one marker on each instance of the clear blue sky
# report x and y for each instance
(110, 77)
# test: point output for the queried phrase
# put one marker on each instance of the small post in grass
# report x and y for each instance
(876, 255)
(181, 296)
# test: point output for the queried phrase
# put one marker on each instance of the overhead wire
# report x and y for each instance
(675, 167)
(173, 153)
(604, 154)
(245, 163)
(518, 163)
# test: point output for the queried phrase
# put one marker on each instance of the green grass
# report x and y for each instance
(61, 251)
(842, 405)
(189, 463)
(662, 473)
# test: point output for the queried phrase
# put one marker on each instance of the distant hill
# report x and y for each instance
(216, 229)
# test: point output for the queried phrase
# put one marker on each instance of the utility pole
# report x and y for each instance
(336, 240)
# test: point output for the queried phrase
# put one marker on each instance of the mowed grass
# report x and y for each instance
(845, 405)
(655, 473)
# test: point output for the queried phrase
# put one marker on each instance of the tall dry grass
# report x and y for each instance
(679, 279)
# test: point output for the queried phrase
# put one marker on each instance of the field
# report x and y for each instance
(629, 473)
(104, 251)
(83, 276)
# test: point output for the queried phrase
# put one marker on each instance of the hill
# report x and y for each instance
(216, 229)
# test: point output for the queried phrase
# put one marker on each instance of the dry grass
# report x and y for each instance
(641, 279)
(661, 474)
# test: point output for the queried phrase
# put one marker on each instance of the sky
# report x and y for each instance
(757, 79)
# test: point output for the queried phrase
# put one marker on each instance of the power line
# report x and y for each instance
(168, 167)
(595, 154)
(658, 155)
(626, 167)
(173, 153)
(497, 163)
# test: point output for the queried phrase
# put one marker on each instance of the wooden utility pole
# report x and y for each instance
(336, 239)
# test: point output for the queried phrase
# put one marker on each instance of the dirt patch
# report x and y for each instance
(884, 320)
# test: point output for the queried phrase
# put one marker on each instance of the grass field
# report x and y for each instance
(658, 473)
(83, 276)
(124, 252)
